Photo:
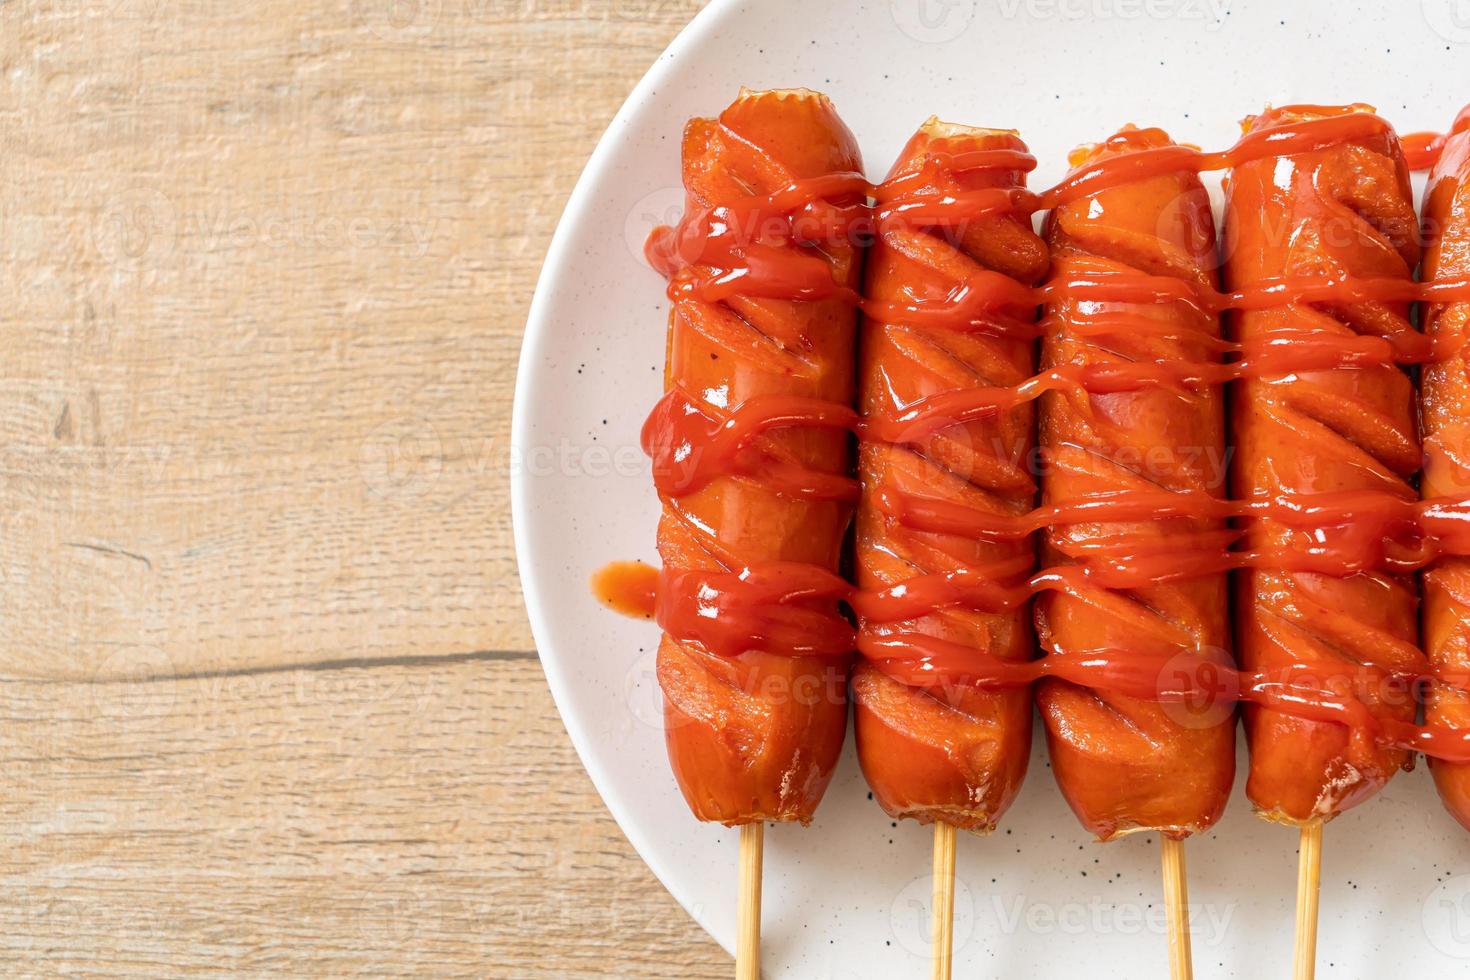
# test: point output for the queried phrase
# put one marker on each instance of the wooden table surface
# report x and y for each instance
(270, 702)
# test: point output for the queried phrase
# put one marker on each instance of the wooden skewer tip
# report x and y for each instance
(1308, 888)
(748, 937)
(942, 910)
(1176, 903)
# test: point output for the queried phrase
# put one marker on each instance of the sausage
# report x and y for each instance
(1125, 764)
(753, 735)
(1445, 415)
(954, 752)
(1340, 210)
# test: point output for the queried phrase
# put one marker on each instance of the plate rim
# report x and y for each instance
(557, 666)
(579, 203)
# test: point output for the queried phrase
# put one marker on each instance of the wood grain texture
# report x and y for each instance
(428, 819)
(264, 270)
(268, 700)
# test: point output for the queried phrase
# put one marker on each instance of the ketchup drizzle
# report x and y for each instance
(770, 247)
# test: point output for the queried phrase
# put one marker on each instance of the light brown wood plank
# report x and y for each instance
(264, 270)
(430, 819)
(263, 275)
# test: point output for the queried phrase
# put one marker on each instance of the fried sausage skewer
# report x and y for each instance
(1343, 210)
(1445, 415)
(1125, 764)
(754, 658)
(949, 752)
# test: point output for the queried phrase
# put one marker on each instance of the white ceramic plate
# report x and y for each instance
(846, 898)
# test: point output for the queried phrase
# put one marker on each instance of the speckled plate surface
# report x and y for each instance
(847, 897)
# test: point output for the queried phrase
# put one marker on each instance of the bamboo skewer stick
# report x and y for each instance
(942, 911)
(748, 937)
(1176, 902)
(1308, 886)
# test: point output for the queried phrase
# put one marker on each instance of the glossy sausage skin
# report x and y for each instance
(1124, 764)
(1445, 414)
(755, 737)
(954, 752)
(1343, 210)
